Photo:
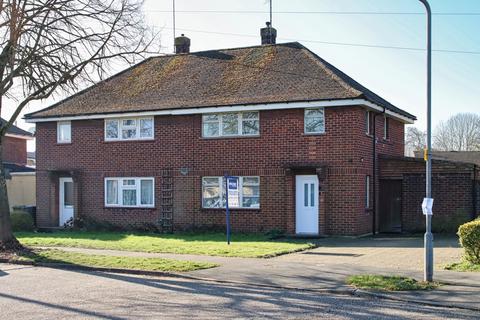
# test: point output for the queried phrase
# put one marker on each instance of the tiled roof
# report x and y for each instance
(286, 72)
(15, 130)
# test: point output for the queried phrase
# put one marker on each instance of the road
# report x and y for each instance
(42, 293)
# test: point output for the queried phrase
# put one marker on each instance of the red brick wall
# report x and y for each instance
(15, 150)
(452, 190)
(344, 149)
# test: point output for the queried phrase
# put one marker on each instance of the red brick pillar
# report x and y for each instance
(322, 218)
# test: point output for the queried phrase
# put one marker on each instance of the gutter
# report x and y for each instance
(374, 176)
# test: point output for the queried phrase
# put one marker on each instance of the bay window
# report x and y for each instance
(214, 192)
(129, 129)
(129, 192)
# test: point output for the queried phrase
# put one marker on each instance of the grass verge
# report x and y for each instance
(389, 283)
(213, 244)
(463, 266)
(131, 263)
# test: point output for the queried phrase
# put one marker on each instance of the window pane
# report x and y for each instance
(68, 193)
(211, 197)
(314, 125)
(146, 128)
(129, 133)
(250, 115)
(230, 124)
(250, 127)
(146, 192)
(211, 129)
(111, 128)
(129, 182)
(210, 117)
(212, 181)
(64, 134)
(251, 202)
(314, 113)
(130, 197)
(312, 195)
(128, 122)
(251, 180)
(112, 192)
(251, 190)
(305, 194)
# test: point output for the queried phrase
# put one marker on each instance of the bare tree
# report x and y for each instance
(53, 45)
(415, 140)
(459, 133)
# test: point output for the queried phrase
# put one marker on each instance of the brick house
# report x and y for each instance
(150, 145)
(20, 176)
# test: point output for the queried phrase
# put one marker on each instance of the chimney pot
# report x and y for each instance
(268, 34)
(182, 44)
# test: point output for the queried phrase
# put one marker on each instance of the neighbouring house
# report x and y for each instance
(31, 161)
(150, 146)
(20, 178)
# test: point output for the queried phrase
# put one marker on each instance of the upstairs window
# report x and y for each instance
(314, 121)
(231, 124)
(386, 128)
(64, 132)
(129, 129)
(369, 119)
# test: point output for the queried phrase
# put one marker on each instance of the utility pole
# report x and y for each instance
(428, 238)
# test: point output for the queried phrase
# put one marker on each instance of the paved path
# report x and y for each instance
(44, 293)
(327, 267)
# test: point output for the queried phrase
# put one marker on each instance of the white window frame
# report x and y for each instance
(367, 122)
(386, 128)
(305, 122)
(137, 187)
(240, 121)
(64, 123)
(121, 127)
(222, 187)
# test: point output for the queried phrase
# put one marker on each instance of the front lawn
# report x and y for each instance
(212, 244)
(463, 266)
(388, 283)
(90, 260)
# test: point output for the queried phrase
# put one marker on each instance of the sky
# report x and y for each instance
(350, 34)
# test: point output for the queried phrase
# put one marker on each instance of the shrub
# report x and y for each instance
(469, 234)
(21, 221)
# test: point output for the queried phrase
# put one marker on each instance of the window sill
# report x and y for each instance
(129, 208)
(314, 134)
(129, 140)
(231, 209)
(231, 137)
(63, 143)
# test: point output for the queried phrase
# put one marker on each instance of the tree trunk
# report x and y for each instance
(7, 239)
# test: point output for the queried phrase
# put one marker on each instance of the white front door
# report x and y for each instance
(307, 204)
(66, 200)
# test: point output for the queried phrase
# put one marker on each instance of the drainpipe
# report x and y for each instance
(475, 193)
(374, 175)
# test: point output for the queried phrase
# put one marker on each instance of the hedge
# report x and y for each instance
(469, 234)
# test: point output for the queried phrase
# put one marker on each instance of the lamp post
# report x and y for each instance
(428, 238)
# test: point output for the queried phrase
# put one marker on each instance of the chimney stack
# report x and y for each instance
(269, 34)
(182, 44)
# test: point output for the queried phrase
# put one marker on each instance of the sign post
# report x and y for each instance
(232, 199)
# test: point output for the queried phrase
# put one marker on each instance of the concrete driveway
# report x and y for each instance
(388, 252)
